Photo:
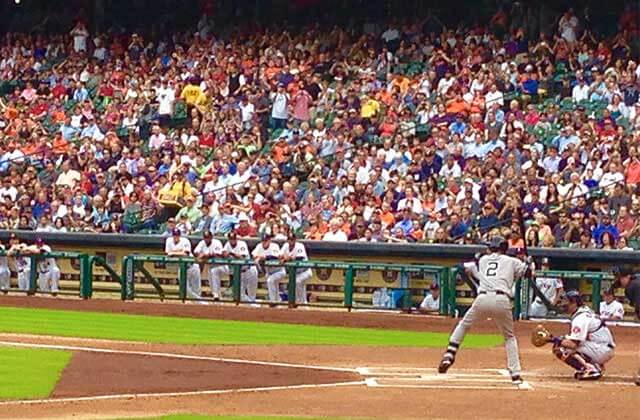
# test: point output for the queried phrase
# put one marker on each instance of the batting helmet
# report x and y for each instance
(498, 243)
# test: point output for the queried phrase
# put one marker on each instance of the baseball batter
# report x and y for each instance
(292, 250)
(589, 344)
(177, 246)
(5, 274)
(48, 271)
(21, 263)
(610, 308)
(497, 274)
(249, 274)
(550, 287)
(208, 248)
(268, 251)
(625, 277)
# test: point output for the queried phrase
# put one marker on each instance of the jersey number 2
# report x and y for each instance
(492, 269)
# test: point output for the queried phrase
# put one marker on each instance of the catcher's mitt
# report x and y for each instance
(540, 336)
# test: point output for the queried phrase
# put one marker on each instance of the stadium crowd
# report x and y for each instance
(403, 132)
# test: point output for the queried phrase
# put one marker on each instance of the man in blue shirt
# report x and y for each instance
(565, 138)
(605, 226)
(458, 126)
(406, 224)
(488, 220)
(457, 228)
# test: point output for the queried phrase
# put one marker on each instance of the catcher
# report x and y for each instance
(589, 344)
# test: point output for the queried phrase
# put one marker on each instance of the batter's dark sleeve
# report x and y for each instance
(632, 293)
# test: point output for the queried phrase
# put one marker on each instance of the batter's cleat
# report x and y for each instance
(516, 380)
(446, 362)
(637, 381)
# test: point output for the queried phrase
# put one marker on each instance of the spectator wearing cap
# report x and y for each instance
(179, 246)
(190, 210)
(431, 302)
(488, 218)
(245, 229)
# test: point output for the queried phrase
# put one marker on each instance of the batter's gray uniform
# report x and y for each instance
(497, 274)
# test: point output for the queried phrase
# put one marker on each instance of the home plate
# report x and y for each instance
(403, 377)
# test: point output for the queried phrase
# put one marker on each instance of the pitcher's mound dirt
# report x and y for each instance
(91, 374)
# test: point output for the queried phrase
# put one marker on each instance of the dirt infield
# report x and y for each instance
(109, 379)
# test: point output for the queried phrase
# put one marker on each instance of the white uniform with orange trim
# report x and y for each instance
(5, 274)
(248, 273)
(48, 272)
(594, 338)
(299, 253)
(215, 271)
(194, 279)
(611, 311)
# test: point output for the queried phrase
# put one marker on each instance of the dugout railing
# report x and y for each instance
(591, 284)
(78, 266)
(351, 292)
(77, 278)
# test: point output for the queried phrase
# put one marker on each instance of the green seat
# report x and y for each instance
(180, 110)
(69, 105)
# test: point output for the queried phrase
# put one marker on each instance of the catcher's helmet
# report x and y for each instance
(574, 296)
(498, 243)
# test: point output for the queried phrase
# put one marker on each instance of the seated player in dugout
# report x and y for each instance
(589, 344)
(610, 308)
(431, 302)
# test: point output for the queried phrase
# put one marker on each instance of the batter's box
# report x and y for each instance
(480, 379)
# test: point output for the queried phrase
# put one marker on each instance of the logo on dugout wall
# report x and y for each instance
(389, 276)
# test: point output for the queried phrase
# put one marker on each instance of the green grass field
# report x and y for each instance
(30, 373)
(174, 330)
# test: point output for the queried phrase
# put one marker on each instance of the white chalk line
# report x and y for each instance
(174, 356)
(177, 394)
(429, 378)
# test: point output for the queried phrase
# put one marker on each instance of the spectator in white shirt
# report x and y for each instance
(410, 202)
(451, 169)
(80, 35)
(494, 96)
(157, 138)
(581, 90)
(335, 234)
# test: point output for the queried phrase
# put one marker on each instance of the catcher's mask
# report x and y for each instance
(571, 296)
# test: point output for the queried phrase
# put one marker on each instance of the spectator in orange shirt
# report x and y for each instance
(281, 150)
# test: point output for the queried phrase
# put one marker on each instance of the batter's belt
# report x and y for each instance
(497, 292)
